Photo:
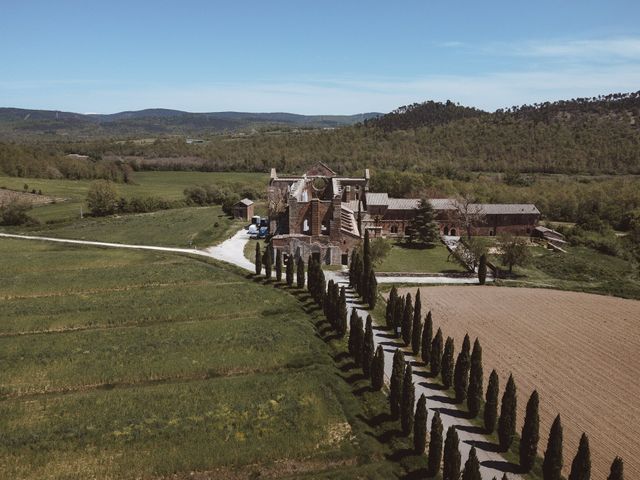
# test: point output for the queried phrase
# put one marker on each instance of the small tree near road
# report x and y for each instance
(102, 198)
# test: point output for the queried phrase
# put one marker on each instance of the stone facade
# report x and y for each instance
(308, 214)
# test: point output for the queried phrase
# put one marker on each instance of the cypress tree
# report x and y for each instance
(447, 363)
(352, 333)
(581, 465)
(395, 383)
(407, 320)
(258, 260)
(366, 265)
(482, 269)
(427, 338)
(408, 400)
(507, 420)
(358, 342)
(398, 314)
(461, 373)
(420, 426)
(552, 463)
(352, 268)
(472, 467)
(377, 369)
(436, 353)
(372, 295)
(278, 266)
(311, 275)
(268, 262)
(391, 304)
(474, 392)
(367, 348)
(435, 445)
(617, 470)
(491, 403)
(300, 273)
(451, 459)
(416, 328)
(335, 306)
(341, 318)
(289, 271)
(530, 434)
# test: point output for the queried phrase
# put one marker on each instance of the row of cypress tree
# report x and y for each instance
(465, 375)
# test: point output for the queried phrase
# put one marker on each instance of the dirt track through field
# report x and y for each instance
(580, 351)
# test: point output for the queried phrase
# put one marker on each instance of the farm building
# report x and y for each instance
(317, 214)
(243, 209)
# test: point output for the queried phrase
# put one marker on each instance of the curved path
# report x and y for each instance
(232, 251)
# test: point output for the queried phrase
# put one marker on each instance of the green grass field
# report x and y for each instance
(428, 260)
(166, 185)
(180, 227)
(124, 364)
(581, 269)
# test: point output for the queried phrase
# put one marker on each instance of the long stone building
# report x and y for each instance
(317, 214)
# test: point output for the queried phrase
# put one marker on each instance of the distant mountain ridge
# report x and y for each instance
(16, 122)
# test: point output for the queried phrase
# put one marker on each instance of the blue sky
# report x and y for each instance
(313, 57)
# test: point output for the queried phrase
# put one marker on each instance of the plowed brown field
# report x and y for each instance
(580, 351)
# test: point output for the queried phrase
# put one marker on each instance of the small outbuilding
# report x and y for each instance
(243, 209)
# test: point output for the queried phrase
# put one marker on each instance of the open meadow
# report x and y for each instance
(125, 364)
(580, 351)
(165, 185)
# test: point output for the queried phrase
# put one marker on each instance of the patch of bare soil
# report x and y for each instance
(580, 351)
(32, 198)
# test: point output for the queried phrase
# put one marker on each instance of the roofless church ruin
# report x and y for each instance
(317, 214)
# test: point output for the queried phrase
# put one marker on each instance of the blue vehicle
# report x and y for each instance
(263, 232)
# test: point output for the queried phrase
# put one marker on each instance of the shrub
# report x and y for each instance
(102, 198)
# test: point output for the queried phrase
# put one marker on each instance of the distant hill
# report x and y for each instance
(16, 122)
(615, 106)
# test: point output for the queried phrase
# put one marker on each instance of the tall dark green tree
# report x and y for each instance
(258, 260)
(474, 392)
(268, 262)
(391, 304)
(436, 353)
(427, 338)
(278, 266)
(341, 317)
(372, 292)
(395, 383)
(617, 470)
(435, 445)
(367, 348)
(366, 265)
(420, 426)
(451, 459)
(491, 403)
(377, 369)
(407, 320)
(352, 332)
(530, 434)
(289, 271)
(581, 465)
(398, 313)
(408, 400)
(416, 328)
(358, 343)
(472, 467)
(447, 363)
(461, 372)
(300, 273)
(507, 420)
(423, 227)
(552, 463)
(482, 269)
